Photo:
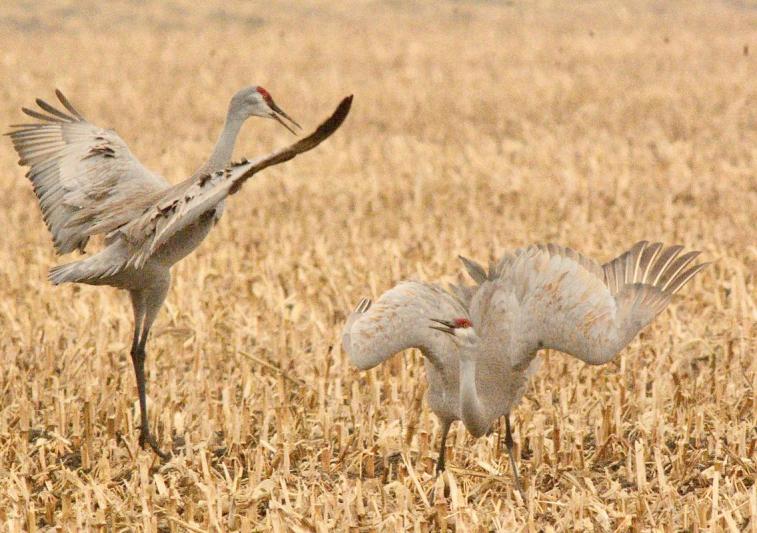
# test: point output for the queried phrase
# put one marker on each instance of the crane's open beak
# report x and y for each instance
(448, 327)
(278, 113)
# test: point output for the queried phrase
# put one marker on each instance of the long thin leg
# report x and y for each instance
(137, 353)
(509, 443)
(145, 436)
(442, 447)
(138, 305)
(146, 305)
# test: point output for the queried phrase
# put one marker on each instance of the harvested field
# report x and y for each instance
(476, 127)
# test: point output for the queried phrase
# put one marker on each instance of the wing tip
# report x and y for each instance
(474, 269)
(67, 104)
(341, 112)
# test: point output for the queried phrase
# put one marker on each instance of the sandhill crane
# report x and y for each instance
(88, 183)
(480, 343)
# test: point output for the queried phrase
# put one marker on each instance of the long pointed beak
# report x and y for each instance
(448, 327)
(278, 113)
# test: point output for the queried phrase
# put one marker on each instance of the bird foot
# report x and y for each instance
(521, 492)
(440, 483)
(145, 437)
(516, 478)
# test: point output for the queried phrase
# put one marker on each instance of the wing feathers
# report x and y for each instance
(674, 268)
(666, 256)
(50, 109)
(560, 299)
(475, 270)
(647, 259)
(645, 263)
(74, 166)
(40, 116)
(183, 204)
(400, 319)
(328, 127)
(683, 278)
(63, 100)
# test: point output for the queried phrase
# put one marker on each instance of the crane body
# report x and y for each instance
(88, 183)
(481, 342)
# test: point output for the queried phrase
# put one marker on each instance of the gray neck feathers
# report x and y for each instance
(472, 410)
(221, 156)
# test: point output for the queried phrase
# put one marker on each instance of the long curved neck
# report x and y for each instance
(221, 156)
(472, 410)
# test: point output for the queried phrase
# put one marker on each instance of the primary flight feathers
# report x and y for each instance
(89, 183)
(543, 296)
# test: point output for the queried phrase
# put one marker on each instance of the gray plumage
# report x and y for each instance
(88, 183)
(546, 296)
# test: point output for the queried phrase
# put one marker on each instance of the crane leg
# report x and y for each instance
(509, 443)
(442, 447)
(146, 305)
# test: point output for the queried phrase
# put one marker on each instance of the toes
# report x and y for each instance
(148, 438)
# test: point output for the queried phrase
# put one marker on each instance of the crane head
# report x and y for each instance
(460, 328)
(256, 101)
(463, 335)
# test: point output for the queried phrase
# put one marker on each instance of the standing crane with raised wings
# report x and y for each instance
(88, 183)
(480, 343)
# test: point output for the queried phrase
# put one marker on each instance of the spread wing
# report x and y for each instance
(184, 204)
(80, 172)
(553, 297)
(400, 319)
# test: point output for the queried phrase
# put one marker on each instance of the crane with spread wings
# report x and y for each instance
(480, 342)
(88, 183)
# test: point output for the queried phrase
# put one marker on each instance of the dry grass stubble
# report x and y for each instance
(476, 127)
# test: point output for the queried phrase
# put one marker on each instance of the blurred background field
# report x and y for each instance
(476, 127)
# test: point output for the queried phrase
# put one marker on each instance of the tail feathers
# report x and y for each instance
(85, 271)
(69, 272)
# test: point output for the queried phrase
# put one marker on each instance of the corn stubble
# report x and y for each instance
(492, 127)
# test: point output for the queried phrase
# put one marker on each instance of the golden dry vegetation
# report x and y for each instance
(476, 127)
